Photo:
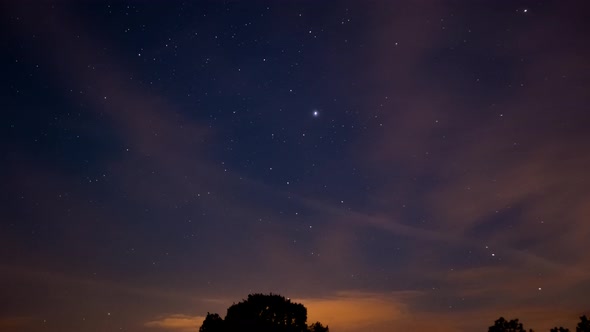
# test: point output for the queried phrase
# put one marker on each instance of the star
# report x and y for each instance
(316, 113)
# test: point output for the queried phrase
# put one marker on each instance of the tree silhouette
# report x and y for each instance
(317, 327)
(559, 329)
(583, 325)
(212, 323)
(262, 313)
(502, 325)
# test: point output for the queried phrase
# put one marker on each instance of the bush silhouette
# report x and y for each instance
(317, 327)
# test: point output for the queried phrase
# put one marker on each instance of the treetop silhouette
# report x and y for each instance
(583, 325)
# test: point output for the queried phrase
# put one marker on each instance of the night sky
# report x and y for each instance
(417, 165)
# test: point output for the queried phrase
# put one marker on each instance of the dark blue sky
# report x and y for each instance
(389, 165)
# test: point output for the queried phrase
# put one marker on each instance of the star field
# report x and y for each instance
(392, 166)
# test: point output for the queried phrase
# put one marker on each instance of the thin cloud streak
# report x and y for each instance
(177, 322)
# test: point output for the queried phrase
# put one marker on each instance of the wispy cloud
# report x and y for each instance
(177, 322)
(355, 310)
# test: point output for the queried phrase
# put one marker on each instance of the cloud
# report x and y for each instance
(430, 132)
(486, 164)
(354, 310)
(177, 322)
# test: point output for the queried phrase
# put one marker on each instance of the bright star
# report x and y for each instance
(316, 113)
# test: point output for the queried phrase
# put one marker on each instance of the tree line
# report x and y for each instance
(275, 313)
(513, 325)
